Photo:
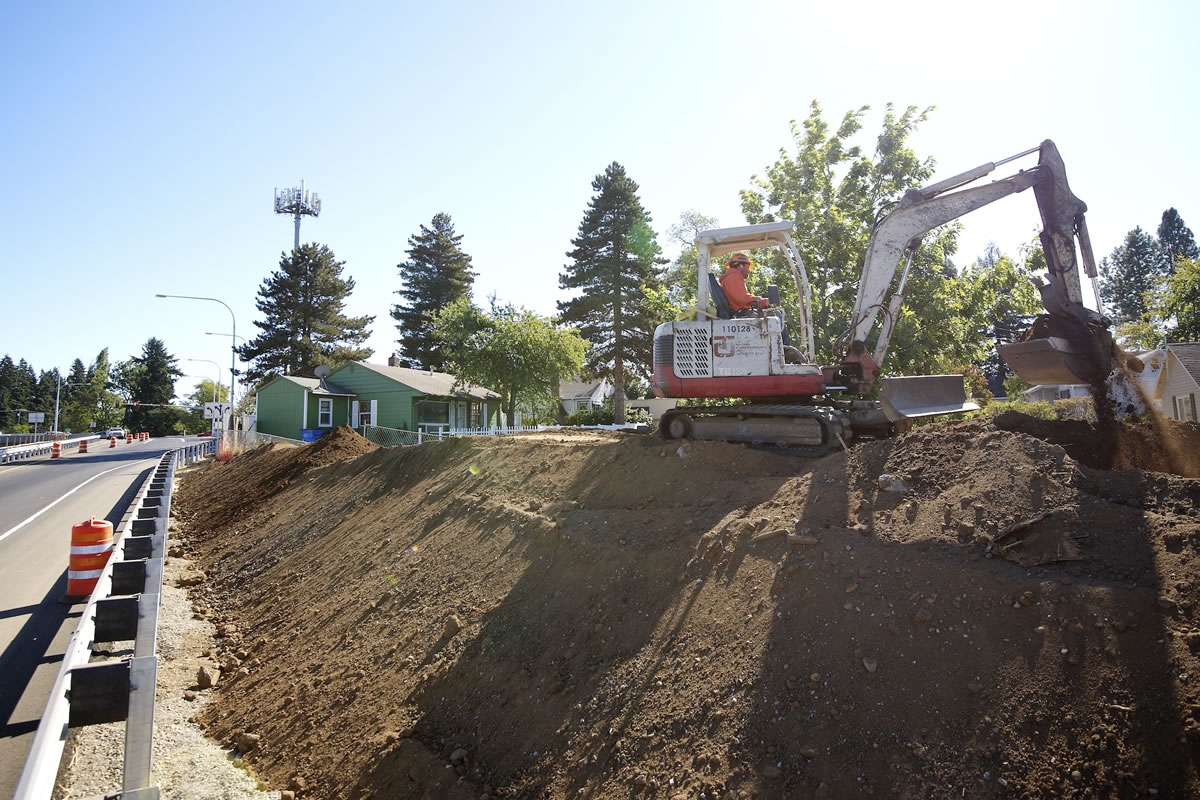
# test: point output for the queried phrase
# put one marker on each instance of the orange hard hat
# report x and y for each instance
(738, 259)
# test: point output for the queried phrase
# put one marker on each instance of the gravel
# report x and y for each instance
(186, 765)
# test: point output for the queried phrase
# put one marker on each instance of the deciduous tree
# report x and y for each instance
(1181, 300)
(304, 323)
(511, 351)
(436, 274)
(834, 193)
(614, 259)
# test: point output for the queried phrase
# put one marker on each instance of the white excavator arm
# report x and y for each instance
(922, 210)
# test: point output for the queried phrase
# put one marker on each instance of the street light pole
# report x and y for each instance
(232, 344)
(217, 386)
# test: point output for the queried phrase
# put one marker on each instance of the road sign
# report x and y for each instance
(217, 410)
(37, 416)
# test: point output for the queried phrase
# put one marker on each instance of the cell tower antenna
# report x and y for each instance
(299, 202)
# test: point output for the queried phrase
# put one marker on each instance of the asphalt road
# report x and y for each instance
(40, 499)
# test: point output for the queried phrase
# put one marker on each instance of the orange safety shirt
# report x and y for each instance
(735, 291)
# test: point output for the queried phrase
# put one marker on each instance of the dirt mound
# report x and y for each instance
(227, 490)
(1157, 445)
(964, 610)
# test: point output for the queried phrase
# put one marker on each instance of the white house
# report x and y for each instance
(1179, 383)
(576, 395)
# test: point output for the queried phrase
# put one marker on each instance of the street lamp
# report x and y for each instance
(232, 344)
(217, 386)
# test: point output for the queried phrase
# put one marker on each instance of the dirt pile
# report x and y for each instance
(962, 610)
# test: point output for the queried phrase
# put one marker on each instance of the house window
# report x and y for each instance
(364, 415)
(433, 415)
(475, 415)
(325, 413)
(1185, 408)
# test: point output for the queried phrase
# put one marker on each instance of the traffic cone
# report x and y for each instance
(91, 547)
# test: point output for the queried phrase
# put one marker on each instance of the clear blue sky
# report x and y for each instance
(142, 142)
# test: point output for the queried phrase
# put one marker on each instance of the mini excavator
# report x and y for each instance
(791, 402)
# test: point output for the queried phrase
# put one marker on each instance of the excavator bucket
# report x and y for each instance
(1046, 362)
(924, 396)
(1057, 351)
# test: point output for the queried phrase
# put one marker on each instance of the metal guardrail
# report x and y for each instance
(39, 448)
(123, 607)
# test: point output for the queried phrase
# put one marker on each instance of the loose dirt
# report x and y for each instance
(611, 615)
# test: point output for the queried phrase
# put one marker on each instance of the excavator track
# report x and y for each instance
(797, 429)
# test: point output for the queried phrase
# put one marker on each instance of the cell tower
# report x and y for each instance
(298, 202)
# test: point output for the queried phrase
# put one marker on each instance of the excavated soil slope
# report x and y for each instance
(583, 614)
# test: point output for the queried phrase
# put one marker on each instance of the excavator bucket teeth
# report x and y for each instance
(924, 396)
(1052, 361)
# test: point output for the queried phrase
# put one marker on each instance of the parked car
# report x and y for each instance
(117, 432)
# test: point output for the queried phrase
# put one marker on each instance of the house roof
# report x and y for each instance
(1188, 354)
(576, 390)
(429, 382)
(317, 387)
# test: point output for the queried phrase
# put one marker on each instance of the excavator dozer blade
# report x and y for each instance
(1051, 361)
(924, 396)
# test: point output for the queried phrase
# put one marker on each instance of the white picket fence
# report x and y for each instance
(391, 437)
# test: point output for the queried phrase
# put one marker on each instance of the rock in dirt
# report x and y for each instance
(207, 678)
(193, 577)
(451, 627)
(247, 742)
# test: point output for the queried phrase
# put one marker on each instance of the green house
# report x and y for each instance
(359, 394)
(287, 406)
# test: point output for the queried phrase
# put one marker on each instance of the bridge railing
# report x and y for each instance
(19, 451)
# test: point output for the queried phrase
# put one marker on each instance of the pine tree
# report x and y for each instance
(1128, 273)
(616, 257)
(1175, 240)
(151, 382)
(436, 274)
(304, 325)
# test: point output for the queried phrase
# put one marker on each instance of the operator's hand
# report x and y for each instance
(764, 303)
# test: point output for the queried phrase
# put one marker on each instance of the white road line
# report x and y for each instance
(22, 524)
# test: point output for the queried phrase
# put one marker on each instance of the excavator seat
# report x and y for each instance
(720, 301)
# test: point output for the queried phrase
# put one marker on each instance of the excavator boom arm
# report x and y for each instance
(922, 210)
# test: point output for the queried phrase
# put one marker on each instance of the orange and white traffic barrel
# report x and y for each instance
(145, 436)
(129, 438)
(112, 441)
(83, 445)
(91, 547)
(56, 450)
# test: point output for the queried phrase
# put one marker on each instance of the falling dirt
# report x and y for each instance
(611, 616)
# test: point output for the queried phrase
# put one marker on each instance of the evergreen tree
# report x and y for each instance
(74, 413)
(436, 274)
(304, 325)
(616, 259)
(1175, 240)
(1129, 273)
(45, 391)
(151, 379)
(8, 406)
